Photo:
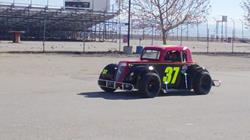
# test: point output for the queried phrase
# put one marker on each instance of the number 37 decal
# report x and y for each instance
(171, 74)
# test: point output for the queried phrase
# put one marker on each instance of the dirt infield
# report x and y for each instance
(53, 46)
(56, 97)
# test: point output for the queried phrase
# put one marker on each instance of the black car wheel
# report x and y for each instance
(203, 83)
(108, 73)
(150, 85)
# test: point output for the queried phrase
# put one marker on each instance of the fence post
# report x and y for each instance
(233, 35)
(83, 46)
(152, 35)
(208, 41)
(44, 34)
(181, 35)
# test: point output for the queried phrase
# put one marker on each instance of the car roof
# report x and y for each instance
(167, 47)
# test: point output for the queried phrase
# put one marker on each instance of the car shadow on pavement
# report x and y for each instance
(178, 93)
(122, 95)
(111, 96)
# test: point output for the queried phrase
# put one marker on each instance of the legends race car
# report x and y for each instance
(160, 68)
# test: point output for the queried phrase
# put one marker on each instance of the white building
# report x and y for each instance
(95, 5)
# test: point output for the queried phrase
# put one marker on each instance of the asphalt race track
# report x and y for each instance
(56, 97)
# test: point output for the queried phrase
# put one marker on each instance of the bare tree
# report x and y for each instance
(246, 7)
(169, 14)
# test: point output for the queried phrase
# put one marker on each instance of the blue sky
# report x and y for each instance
(230, 8)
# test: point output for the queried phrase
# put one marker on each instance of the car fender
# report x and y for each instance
(137, 72)
(109, 72)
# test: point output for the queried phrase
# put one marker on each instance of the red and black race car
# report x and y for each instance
(159, 68)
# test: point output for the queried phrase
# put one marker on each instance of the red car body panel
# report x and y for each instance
(163, 50)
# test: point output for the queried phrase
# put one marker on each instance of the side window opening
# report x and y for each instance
(173, 56)
(151, 54)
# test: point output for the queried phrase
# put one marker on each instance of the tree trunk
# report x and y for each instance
(164, 39)
(143, 33)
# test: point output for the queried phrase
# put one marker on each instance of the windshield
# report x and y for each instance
(151, 54)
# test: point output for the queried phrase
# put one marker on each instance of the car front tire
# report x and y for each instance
(150, 85)
(110, 75)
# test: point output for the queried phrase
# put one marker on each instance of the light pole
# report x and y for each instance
(233, 35)
(129, 20)
(208, 37)
(198, 32)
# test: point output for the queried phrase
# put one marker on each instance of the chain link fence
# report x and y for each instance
(203, 37)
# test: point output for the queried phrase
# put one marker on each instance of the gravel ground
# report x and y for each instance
(56, 97)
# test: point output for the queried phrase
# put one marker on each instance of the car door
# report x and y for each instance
(172, 69)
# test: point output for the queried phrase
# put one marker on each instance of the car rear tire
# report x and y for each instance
(202, 83)
(150, 85)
